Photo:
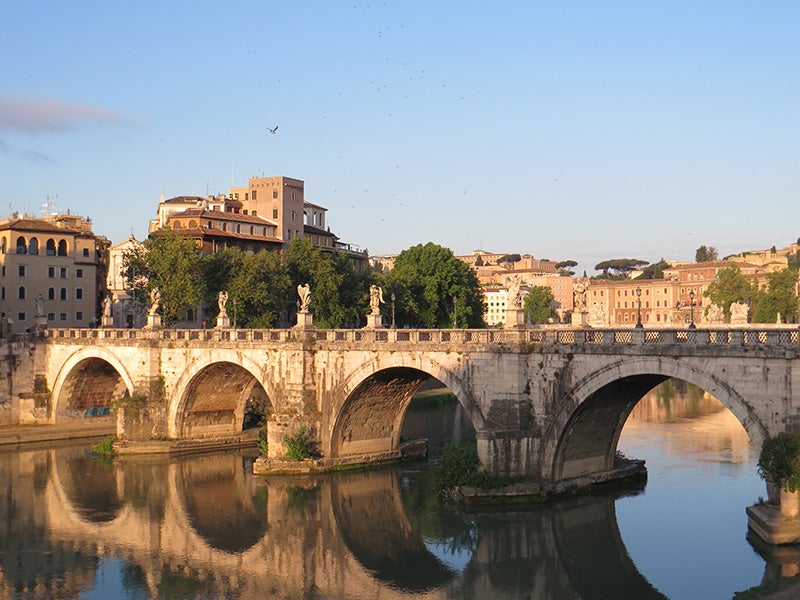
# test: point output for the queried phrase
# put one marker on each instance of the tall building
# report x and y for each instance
(53, 264)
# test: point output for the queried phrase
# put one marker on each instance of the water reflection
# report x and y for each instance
(203, 527)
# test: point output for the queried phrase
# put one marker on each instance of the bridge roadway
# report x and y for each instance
(546, 403)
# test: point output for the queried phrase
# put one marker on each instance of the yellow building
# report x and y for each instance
(53, 267)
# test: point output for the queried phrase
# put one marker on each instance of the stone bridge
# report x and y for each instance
(548, 404)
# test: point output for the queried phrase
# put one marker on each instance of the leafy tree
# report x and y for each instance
(621, 267)
(261, 289)
(425, 279)
(705, 254)
(565, 267)
(509, 258)
(780, 296)
(729, 287)
(172, 264)
(654, 271)
(539, 304)
(793, 261)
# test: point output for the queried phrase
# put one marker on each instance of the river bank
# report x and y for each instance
(13, 435)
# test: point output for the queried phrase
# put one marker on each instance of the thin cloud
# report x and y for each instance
(25, 114)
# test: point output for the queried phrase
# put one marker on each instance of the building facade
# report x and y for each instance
(52, 267)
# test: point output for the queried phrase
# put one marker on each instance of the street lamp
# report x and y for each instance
(455, 323)
(393, 299)
(691, 310)
(639, 308)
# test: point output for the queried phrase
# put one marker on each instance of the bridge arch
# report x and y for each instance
(369, 404)
(582, 439)
(219, 386)
(91, 377)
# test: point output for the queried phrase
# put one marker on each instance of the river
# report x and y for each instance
(203, 526)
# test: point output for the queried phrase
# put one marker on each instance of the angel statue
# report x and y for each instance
(375, 299)
(304, 291)
(155, 301)
(222, 299)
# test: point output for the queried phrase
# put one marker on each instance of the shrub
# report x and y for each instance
(779, 462)
(298, 446)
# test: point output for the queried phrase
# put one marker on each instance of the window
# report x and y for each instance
(274, 194)
(21, 270)
(192, 224)
(51, 247)
(33, 246)
(3, 293)
(79, 273)
(294, 215)
(22, 316)
(79, 294)
(51, 293)
(22, 246)
(62, 248)
(63, 272)
(21, 292)
(79, 315)
(274, 213)
(63, 293)
(51, 316)
(51, 272)
(254, 194)
(62, 316)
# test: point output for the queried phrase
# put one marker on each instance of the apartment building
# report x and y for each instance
(54, 266)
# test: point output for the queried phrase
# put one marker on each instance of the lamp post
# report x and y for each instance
(691, 310)
(393, 299)
(639, 308)
(455, 323)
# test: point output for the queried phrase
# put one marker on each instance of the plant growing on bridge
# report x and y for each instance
(298, 446)
(779, 462)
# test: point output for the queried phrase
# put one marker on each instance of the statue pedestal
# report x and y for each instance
(374, 321)
(153, 321)
(515, 318)
(223, 322)
(304, 320)
(107, 321)
(579, 319)
(41, 321)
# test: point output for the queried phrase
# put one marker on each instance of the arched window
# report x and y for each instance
(62, 248)
(2, 245)
(192, 224)
(51, 293)
(190, 315)
(63, 293)
(176, 224)
(21, 292)
(22, 245)
(33, 246)
(51, 247)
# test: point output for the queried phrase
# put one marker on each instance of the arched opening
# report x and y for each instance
(50, 247)
(62, 248)
(22, 245)
(222, 400)
(90, 486)
(89, 390)
(33, 246)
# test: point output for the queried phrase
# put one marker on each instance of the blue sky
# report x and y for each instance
(570, 130)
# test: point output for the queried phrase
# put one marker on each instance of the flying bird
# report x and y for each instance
(273, 131)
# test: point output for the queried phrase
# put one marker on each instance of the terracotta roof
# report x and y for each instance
(201, 213)
(205, 232)
(36, 225)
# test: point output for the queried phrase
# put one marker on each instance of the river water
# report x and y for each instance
(203, 527)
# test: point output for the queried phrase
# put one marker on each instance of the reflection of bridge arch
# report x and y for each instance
(370, 403)
(209, 398)
(92, 376)
(594, 411)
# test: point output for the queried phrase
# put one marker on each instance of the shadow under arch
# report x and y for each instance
(584, 435)
(211, 397)
(373, 525)
(373, 400)
(92, 377)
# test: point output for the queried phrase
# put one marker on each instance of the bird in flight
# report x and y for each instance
(273, 131)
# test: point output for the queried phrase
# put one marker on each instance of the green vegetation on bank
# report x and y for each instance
(459, 465)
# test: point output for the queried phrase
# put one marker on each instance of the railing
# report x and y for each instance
(774, 337)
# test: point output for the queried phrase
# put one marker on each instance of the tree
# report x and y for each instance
(509, 258)
(425, 279)
(172, 264)
(779, 297)
(565, 267)
(539, 304)
(729, 287)
(261, 290)
(705, 254)
(620, 266)
(655, 271)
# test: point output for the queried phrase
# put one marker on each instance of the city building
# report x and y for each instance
(124, 310)
(53, 266)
